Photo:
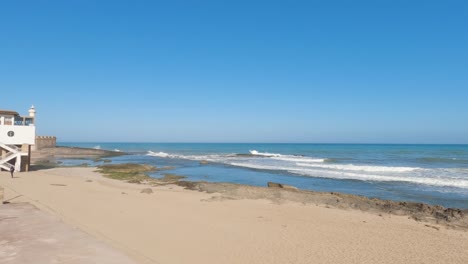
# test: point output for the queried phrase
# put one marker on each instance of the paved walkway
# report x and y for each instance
(28, 235)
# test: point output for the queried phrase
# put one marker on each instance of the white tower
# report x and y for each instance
(32, 111)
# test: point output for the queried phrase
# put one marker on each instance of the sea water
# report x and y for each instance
(434, 174)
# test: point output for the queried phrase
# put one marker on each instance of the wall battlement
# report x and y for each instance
(46, 137)
(45, 142)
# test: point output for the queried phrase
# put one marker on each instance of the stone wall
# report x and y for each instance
(45, 142)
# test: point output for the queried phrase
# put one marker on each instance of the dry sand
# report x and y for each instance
(31, 236)
(175, 225)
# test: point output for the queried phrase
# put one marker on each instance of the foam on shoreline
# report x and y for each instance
(323, 168)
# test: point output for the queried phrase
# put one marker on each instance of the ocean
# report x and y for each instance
(434, 174)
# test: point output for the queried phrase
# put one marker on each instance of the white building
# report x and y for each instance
(17, 135)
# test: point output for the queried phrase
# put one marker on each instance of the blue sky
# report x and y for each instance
(239, 71)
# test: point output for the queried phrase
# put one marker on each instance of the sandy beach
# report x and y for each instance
(176, 225)
(234, 132)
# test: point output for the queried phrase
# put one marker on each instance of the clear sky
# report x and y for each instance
(239, 71)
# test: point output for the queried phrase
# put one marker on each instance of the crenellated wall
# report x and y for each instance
(45, 142)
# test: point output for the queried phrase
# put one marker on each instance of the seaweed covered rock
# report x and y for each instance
(135, 173)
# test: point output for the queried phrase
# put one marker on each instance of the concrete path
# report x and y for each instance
(28, 235)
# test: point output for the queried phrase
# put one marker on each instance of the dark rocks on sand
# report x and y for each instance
(281, 186)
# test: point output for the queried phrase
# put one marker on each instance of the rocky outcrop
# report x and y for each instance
(71, 152)
(281, 186)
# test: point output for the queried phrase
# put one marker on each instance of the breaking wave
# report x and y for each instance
(328, 168)
(285, 157)
(351, 167)
(158, 154)
(265, 154)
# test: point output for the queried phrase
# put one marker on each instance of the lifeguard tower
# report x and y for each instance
(17, 135)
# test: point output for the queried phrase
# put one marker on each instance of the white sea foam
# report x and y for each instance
(298, 159)
(435, 181)
(265, 154)
(277, 156)
(158, 154)
(97, 147)
(316, 167)
(212, 158)
(351, 167)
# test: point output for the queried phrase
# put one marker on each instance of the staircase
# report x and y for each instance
(13, 152)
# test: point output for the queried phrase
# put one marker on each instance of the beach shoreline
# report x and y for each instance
(452, 217)
(201, 222)
(435, 174)
(171, 224)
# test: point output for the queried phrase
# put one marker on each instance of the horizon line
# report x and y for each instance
(316, 143)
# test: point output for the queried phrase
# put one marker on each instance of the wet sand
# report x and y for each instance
(233, 224)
